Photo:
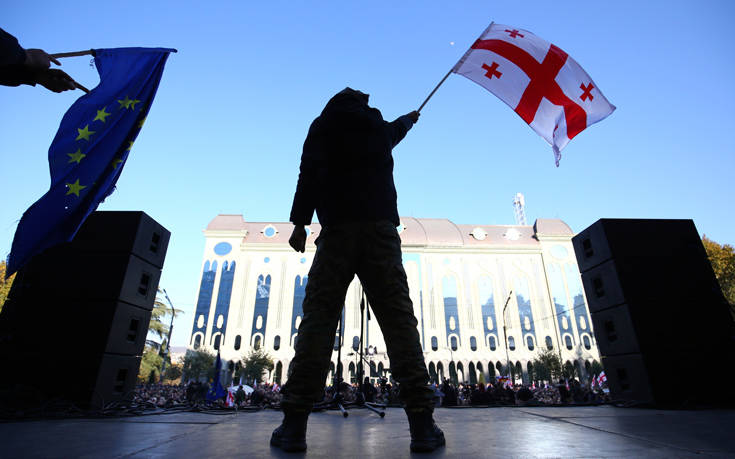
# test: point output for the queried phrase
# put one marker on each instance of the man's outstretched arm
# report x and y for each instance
(400, 127)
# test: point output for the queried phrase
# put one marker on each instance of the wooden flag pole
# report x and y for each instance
(73, 54)
(450, 71)
(89, 52)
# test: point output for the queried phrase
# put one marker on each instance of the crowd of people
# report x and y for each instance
(447, 394)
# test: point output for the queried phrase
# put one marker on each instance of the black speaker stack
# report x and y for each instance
(663, 327)
(75, 323)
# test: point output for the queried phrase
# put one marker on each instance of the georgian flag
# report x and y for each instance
(542, 83)
(602, 378)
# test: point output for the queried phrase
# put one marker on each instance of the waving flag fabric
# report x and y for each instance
(216, 391)
(90, 148)
(544, 85)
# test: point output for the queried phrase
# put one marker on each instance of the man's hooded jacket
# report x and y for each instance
(346, 172)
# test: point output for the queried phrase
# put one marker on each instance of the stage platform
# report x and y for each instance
(602, 431)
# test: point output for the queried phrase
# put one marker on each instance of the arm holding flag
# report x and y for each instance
(30, 66)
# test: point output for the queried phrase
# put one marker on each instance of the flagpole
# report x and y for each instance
(89, 52)
(451, 70)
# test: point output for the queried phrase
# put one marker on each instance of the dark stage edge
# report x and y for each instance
(602, 431)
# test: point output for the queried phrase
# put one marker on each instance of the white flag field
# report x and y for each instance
(539, 81)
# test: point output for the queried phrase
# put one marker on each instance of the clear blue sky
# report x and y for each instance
(225, 132)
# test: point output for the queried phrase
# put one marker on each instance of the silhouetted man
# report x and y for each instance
(347, 177)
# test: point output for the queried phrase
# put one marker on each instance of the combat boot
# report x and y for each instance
(291, 434)
(426, 436)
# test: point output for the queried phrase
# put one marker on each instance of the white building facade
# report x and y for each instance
(466, 282)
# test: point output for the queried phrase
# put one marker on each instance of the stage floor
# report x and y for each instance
(602, 431)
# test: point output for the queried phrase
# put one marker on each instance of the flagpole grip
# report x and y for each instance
(89, 52)
(437, 87)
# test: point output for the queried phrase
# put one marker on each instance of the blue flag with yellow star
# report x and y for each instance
(91, 146)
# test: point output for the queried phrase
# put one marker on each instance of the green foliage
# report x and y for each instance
(198, 364)
(150, 363)
(547, 366)
(173, 372)
(4, 284)
(569, 371)
(159, 317)
(596, 368)
(255, 364)
(722, 258)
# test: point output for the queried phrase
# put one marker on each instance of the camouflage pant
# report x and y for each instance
(372, 250)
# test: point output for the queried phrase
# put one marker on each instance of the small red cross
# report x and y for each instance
(492, 70)
(586, 92)
(514, 33)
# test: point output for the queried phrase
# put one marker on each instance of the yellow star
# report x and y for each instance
(130, 145)
(140, 125)
(76, 157)
(74, 188)
(84, 133)
(133, 102)
(116, 162)
(101, 115)
(125, 103)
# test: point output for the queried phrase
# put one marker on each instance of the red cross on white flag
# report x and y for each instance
(544, 85)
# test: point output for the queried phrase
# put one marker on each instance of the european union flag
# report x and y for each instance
(91, 146)
(216, 391)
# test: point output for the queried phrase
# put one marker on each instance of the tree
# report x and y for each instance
(596, 368)
(5, 284)
(160, 312)
(722, 258)
(173, 372)
(197, 364)
(255, 364)
(547, 366)
(150, 363)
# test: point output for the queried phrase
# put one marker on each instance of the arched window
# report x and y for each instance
(432, 373)
(216, 341)
(472, 373)
(355, 343)
(262, 300)
(373, 370)
(238, 342)
(256, 343)
(549, 343)
(277, 342)
(490, 369)
(529, 369)
(197, 341)
(451, 314)
(279, 371)
(568, 342)
(485, 291)
(440, 371)
(511, 343)
(586, 342)
(473, 343)
(351, 369)
(529, 343)
(434, 343)
(491, 341)
(453, 342)
(299, 292)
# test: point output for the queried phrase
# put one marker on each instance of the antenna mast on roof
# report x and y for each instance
(519, 204)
